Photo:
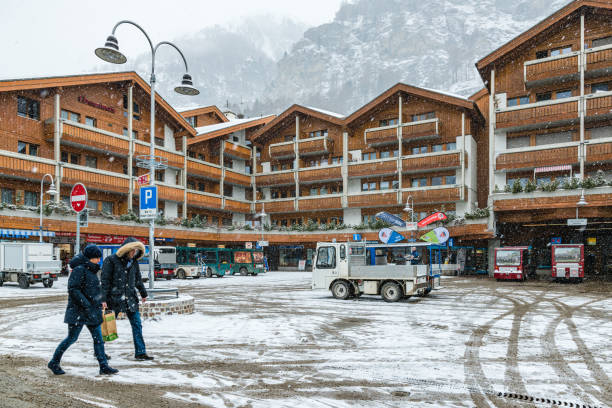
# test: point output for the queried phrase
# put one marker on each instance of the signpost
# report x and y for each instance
(148, 202)
(577, 222)
(144, 180)
(248, 245)
(78, 202)
(262, 244)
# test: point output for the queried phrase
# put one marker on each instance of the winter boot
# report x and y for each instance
(105, 355)
(108, 370)
(55, 368)
(144, 357)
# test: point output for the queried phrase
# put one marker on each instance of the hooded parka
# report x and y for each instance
(84, 298)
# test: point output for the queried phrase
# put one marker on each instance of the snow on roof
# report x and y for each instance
(454, 95)
(218, 126)
(326, 112)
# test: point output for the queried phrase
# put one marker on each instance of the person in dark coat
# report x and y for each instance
(120, 279)
(84, 308)
(415, 258)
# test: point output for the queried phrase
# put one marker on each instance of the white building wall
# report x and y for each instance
(170, 209)
(352, 216)
(238, 219)
(354, 186)
(238, 192)
(169, 142)
(170, 176)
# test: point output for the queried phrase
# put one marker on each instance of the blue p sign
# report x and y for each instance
(148, 202)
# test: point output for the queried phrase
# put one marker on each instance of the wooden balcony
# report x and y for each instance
(537, 158)
(372, 168)
(315, 146)
(141, 148)
(284, 150)
(94, 180)
(599, 152)
(24, 168)
(373, 200)
(170, 193)
(434, 195)
(599, 106)
(202, 169)
(599, 61)
(278, 206)
(275, 179)
(237, 206)
(538, 115)
(203, 201)
(381, 136)
(176, 160)
(237, 151)
(545, 70)
(432, 162)
(233, 177)
(76, 135)
(421, 130)
(320, 174)
(320, 203)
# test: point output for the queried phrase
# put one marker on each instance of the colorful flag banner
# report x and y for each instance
(388, 236)
(437, 236)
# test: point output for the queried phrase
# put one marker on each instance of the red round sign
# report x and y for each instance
(78, 197)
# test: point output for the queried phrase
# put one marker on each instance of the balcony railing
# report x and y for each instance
(176, 160)
(203, 169)
(237, 151)
(88, 137)
(238, 206)
(23, 166)
(599, 151)
(599, 61)
(171, 193)
(434, 195)
(95, 179)
(284, 150)
(233, 177)
(203, 200)
(552, 68)
(373, 199)
(599, 106)
(315, 146)
(322, 202)
(278, 178)
(540, 114)
(537, 156)
(320, 174)
(432, 162)
(372, 168)
(421, 130)
(281, 205)
(381, 136)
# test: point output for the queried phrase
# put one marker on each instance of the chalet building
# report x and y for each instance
(548, 103)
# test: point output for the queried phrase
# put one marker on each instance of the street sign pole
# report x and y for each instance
(148, 210)
(77, 249)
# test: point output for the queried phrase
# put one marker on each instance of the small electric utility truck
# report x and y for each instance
(27, 263)
(342, 268)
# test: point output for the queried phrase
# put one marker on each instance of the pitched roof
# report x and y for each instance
(225, 128)
(87, 79)
(314, 112)
(440, 96)
(187, 113)
(476, 96)
(539, 28)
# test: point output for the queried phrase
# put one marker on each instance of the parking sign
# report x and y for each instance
(148, 202)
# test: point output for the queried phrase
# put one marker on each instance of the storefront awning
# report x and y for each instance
(550, 169)
(18, 233)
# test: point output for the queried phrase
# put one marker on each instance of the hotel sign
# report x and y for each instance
(86, 101)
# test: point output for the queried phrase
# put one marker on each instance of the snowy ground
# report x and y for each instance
(270, 341)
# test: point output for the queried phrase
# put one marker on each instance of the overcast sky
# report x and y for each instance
(57, 37)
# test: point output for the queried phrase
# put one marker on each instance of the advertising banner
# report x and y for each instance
(388, 236)
(391, 219)
(438, 236)
(435, 217)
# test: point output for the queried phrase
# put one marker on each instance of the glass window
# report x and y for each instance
(8, 196)
(542, 180)
(91, 121)
(395, 153)
(92, 204)
(546, 96)
(31, 199)
(33, 150)
(91, 161)
(436, 181)
(600, 42)
(451, 180)
(323, 190)
(228, 190)
(28, 108)
(365, 187)
(601, 87)
(314, 191)
(326, 258)
(423, 116)
(553, 138)
(159, 141)
(451, 146)
(436, 148)
(560, 51)
(385, 155)
(419, 182)
(395, 184)
(423, 149)
(107, 207)
(372, 185)
(541, 54)
(416, 150)
(522, 180)
(384, 185)
(516, 142)
(201, 186)
(342, 251)
(601, 132)
(564, 94)
(519, 100)
(508, 257)
(22, 148)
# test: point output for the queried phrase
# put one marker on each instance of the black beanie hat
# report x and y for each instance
(92, 251)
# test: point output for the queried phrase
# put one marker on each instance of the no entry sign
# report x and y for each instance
(78, 197)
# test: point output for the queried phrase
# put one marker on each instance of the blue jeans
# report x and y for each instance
(73, 334)
(139, 344)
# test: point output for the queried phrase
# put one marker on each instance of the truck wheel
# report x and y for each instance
(340, 290)
(243, 271)
(47, 283)
(180, 274)
(24, 282)
(391, 292)
(209, 273)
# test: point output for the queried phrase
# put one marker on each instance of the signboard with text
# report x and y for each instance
(148, 202)
(435, 217)
(78, 197)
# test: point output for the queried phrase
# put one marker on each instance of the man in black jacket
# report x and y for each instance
(120, 279)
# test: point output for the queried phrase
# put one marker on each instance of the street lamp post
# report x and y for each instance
(410, 207)
(52, 191)
(110, 53)
(262, 216)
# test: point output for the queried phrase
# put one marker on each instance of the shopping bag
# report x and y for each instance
(109, 326)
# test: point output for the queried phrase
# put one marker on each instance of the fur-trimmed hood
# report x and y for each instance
(128, 245)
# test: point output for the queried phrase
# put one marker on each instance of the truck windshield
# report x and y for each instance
(326, 258)
(567, 254)
(258, 257)
(508, 257)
